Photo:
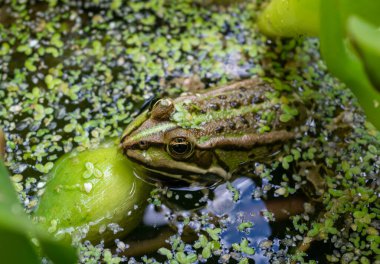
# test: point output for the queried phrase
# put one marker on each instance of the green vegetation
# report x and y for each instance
(75, 75)
(349, 40)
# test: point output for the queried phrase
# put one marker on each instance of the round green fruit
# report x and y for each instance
(92, 195)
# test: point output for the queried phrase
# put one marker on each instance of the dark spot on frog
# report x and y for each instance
(214, 106)
(219, 129)
(243, 89)
(257, 100)
(222, 96)
(243, 120)
(234, 104)
(231, 124)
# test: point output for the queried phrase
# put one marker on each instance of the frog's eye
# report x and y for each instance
(180, 148)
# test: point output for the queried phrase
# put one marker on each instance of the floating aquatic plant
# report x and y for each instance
(73, 75)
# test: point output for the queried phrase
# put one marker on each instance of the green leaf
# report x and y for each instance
(29, 64)
(206, 252)
(13, 226)
(181, 257)
(192, 258)
(116, 4)
(244, 261)
(214, 233)
(314, 231)
(12, 243)
(245, 248)
(56, 40)
(8, 196)
(349, 41)
(5, 48)
(166, 252)
(245, 225)
(58, 252)
(16, 231)
(365, 38)
(339, 54)
(285, 118)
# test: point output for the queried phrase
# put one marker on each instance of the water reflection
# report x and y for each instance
(244, 210)
(220, 203)
(156, 218)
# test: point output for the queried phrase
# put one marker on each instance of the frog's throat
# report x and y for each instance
(179, 170)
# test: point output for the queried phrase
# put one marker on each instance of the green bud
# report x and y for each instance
(92, 195)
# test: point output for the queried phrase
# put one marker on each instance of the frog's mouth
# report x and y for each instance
(176, 171)
(171, 179)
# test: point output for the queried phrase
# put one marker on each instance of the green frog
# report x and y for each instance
(206, 136)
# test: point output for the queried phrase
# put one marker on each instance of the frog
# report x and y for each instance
(205, 136)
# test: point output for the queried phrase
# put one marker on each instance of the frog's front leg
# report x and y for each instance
(313, 173)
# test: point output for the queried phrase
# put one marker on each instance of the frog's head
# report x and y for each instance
(166, 151)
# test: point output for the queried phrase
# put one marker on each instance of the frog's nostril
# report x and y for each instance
(142, 144)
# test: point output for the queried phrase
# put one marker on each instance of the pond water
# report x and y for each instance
(74, 74)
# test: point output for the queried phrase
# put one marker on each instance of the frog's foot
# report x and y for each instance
(342, 124)
(315, 184)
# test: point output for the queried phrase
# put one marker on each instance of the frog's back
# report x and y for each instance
(242, 110)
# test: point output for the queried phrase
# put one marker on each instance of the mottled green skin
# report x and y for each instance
(226, 126)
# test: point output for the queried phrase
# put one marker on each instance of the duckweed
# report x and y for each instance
(73, 74)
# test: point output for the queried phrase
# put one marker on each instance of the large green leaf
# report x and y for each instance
(365, 38)
(15, 244)
(8, 197)
(349, 46)
(339, 55)
(16, 248)
(58, 252)
(16, 231)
